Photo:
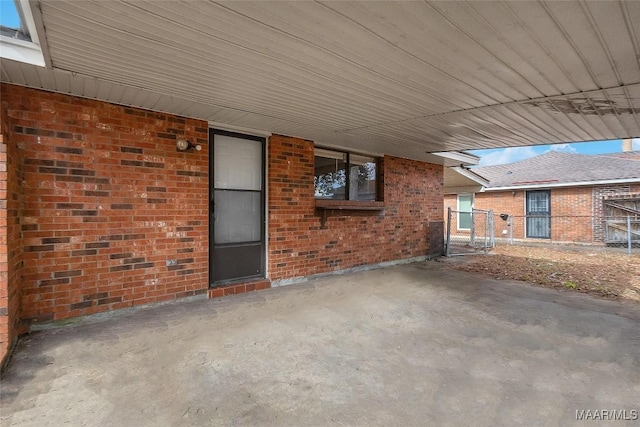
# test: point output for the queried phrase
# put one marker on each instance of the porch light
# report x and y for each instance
(184, 145)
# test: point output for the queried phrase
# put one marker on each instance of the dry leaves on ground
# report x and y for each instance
(599, 271)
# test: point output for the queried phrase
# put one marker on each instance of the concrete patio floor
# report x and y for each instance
(414, 344)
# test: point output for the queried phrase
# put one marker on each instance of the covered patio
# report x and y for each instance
(152, 151)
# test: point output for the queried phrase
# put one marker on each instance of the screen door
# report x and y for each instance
(538, 214)
(237, 207)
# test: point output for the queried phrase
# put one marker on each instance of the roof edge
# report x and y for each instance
(459, 156)
(471, 175)
(566, 184)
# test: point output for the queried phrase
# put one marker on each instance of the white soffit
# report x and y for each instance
(459, 180)
(406, 78)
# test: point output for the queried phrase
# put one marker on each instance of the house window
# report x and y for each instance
(465, 204)
(18, 35)
(345, 176)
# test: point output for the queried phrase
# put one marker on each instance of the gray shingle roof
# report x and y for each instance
(555, 168)
(629, 155)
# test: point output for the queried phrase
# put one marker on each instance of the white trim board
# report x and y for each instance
(564, 184)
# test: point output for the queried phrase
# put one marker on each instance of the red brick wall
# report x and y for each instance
(300, 246)
(105, 213)
(5, 338)
(571, 211)
(113, 214)
(4, 265)
(449, 202)
(501, 202)
(10, 239)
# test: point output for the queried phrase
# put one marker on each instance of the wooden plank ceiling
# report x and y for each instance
(406, 78)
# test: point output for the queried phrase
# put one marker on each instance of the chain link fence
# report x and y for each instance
(621, 232)
(469, 232)
(479, 231)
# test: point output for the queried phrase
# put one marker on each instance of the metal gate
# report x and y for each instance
(469, 232)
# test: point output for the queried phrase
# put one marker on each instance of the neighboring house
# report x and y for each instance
(564, 197)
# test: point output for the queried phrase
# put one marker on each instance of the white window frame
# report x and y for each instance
(458, 210)
(15, 49)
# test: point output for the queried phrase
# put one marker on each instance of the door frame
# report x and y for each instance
(527, 215)
(263, 202)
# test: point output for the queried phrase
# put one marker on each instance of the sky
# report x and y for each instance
(500, 156)
(8, 14)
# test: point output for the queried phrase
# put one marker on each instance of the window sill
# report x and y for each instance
(335, 207)
(352, 205)
(22, 51)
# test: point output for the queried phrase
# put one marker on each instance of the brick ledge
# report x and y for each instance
(239, 288)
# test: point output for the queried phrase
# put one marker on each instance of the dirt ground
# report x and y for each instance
(597, 271)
